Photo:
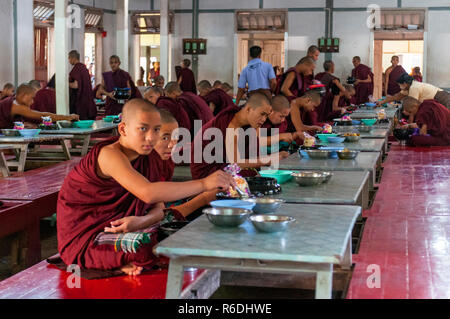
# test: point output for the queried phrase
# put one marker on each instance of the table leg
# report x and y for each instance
(324, 282)
(22, 158)
(347, 262)
(85, 147)
(65, 150)
(174, 279)
(3, 165)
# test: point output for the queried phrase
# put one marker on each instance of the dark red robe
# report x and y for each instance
(118, 79)
(220, 99)
(45, 101)
(393, 87)
(88, 203)
(165, 168)
(196, 108)
(6, 121)
(188, 81)
(417, 78)
(437, 119)
(282, 127)
(298, 87)
(221, 122)
(176, 109)
(363, 90)
(82, 99)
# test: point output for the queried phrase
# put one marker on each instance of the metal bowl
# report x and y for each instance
(10, 132)
(227, 217)
(352, 138)
(318, 154)
(64, 124)
(311, 178)
(271, 223)
(168, 229)
(364, 129)
(266, 205)
(347, 155)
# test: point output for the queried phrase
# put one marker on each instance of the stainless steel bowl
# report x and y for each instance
(318, 154)
(271, 223)
(352, 139)
(64, 124)
(311, 178)
(10, 132)
(347, 155)
(226, 216)
(364, 129)
(266, 205)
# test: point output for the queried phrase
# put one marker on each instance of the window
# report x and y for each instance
(261, 21)
(149, 22)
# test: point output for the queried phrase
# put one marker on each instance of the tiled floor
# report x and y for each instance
(407, 233)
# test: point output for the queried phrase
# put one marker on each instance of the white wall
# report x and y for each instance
(7, 43)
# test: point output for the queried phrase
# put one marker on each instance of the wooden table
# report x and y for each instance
(376, 133)
(24, 154)
(4, 169)
(319, 239)
(82, 137)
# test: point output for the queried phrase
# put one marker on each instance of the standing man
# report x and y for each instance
(364, 81)
(259, 76)
(81, 96)
(392, 74)
(186, 80)
(313, 53)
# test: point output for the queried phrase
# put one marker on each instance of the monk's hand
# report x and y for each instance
(317, 128)
(286, 137)
(413, 125)
(356, 82)
(282, 155)
(299, 135)
(74, 117)
(218, 181)
(126, 225)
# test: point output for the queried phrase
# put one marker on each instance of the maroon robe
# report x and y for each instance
(282, 127)
(45, 101)
(220, 99)
(393, 87)
(221, 121)
(82, 99)
(176, 109)
(118, 79)
(363, 90)
(87, 204)
(298, 87)
(417, 78)
(165, 168)
(188, 81)
(6, 121)
(196, 108)
(437, 119)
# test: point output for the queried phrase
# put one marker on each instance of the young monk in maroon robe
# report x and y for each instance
(115, 189)
(364, 81)
(416, 74)
(228, 89)
(392, 74)
(252, 116)
(433, 120)
(8, 91)
(187, 79)
(292, 84)
(81, 96)
(153, 94)
(116, 78)
(45, 99)
(170, 103)
(314, 53)
(17, 109)
(216, 98)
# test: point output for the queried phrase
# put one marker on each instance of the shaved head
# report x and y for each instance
(74, 55)
(226, 87)
(167, 117)
(217, 83)
(172, 87)
(153, 93)
(410, 103)
(313, 49)
(25, 89)
(257, 100)
(35, 84)
(306, 61)
(133, 107)
(280, 103)
(204, 85)
(313, 95)
(8, 86)
(349, 88)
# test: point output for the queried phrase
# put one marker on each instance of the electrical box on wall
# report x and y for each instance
(327, 45)
(194, 46)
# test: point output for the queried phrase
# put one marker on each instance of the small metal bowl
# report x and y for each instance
(227, 217)
(271, 223)
(352, 139)
(347, 155)
(10, 132)
(171, 228)
(64, 124)
(266, 205)
(311, 178)
(364, 129)
(318, 154)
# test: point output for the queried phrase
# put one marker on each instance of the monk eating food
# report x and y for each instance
(187, 78)
(45, 99)
(292, 83)
(81, 96)
(8, 91)
(228, 89)
(392, 75)
(17, 108)
(116, 78)
(364, 81)
(115, 189)
(153, 93)
(340, 101)
(299, 109)
(252, 116)
(216, 98)
(432, 119)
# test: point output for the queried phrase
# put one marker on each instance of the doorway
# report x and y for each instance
(90, 59)
(41, 55)
(150, 54)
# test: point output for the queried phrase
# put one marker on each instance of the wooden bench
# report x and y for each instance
(31, 196)
(44, 281)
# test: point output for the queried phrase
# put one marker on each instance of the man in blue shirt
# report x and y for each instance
(259, 76)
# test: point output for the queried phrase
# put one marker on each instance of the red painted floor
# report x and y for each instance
(407, 233)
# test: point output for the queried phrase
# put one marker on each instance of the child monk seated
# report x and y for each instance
(115, 189)
(216, 98)
(17, 109)
(431, 118)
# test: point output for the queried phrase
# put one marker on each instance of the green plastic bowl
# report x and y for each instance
(324, 137)
(108, 119)
(83, 124)
(369, 122)
(281, 176)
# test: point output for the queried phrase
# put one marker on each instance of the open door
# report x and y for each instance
(41, 54)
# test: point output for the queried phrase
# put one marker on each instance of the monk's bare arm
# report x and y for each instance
(180, 79)
(296, 117)
(28, 113)
(197, 202)
(112, 163)
(424, 129)
(336, 102)
(287, 84)
(73, 85)
(397, 97)
(273, 85)
(239, 96)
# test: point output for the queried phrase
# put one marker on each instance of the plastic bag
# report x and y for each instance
(309, 141)
(381, 114)
(327, 129)
(234, 169)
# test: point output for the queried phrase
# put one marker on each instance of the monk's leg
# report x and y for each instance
(420, 140)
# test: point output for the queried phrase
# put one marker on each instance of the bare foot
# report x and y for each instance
(132, 270)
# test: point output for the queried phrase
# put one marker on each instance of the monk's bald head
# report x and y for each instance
(410, 104)
(167, 117)
(306, 61)
(136, 106)
(280, 103)
(173, 90)
(153, 94)
(257, 100)
(306, 66)
(25, 94)
(204, 87)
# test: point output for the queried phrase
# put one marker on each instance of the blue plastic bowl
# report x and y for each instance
(29, 133)
(324, 137)
(233, 203)
(281, 176)
(336, 139)
(355, 122)
(369, 122)
(368, 104)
